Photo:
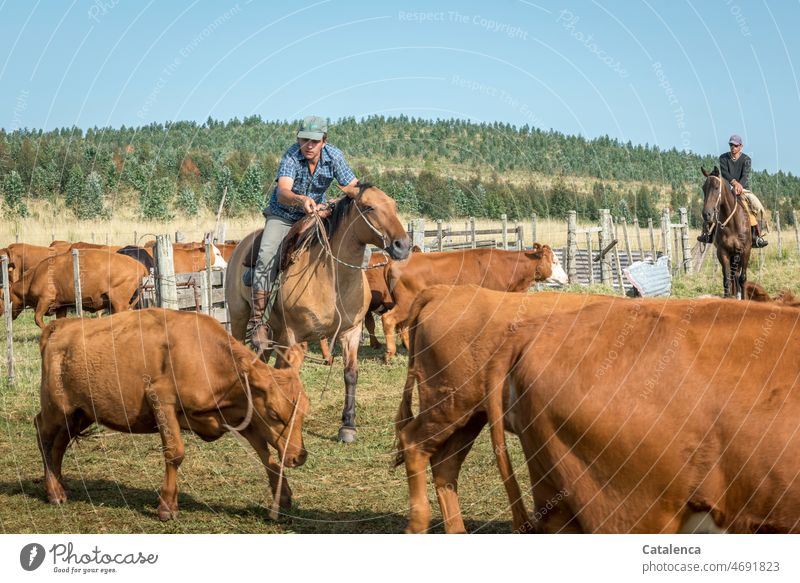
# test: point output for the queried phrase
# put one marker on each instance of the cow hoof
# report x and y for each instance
(387, 358)
(347, 434)
(57, 499)
(165, 514)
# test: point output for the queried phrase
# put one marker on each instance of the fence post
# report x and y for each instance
(472, 232)
(652, 238)
(504, 219)
(136, 238)
(76, 279)
(439, 235)
(638, 238)
(572, 246)
(778, 229)
(166, 288)
(665, 238)
(533, 229)
(9, 320)
(687, 250)
(605, 241)
(617, 264)
(520, 237)
(796, 231)
(589, 255)
(627, 240)
(208, 298)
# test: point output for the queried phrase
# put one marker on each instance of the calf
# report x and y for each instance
(136, 372)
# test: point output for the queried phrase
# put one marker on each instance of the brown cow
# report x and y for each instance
(136, 372)
(756, 293)
(24, 256)
(108, 280)
(191, 257)
(634, 415)
(489, 268)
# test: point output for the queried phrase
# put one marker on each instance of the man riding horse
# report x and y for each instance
(305, 173)
(735, 168)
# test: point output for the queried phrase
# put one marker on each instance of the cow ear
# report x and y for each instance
(535, 252)
(416, 249)
(296, 354)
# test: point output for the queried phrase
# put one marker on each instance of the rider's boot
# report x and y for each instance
(758, 240)
(257, 330)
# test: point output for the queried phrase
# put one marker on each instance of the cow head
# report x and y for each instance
(281, 408)
(218, 261)
(548, 267)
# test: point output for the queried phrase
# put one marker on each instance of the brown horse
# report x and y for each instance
(730, 227)
(323, 293)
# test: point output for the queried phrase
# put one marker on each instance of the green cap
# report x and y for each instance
(312, 128)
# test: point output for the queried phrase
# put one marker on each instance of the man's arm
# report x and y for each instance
(746, 172)
(289, 198)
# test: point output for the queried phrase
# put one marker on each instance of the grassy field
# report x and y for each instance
(114, 478)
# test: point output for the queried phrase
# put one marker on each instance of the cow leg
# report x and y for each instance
(389, 323)
(446, 464)
(172, 444)
(369, 324)
(53, 440)
(259, 443)
(494, 410)
(350, 343)
(41, 310)
(325, 347)
(403, 331)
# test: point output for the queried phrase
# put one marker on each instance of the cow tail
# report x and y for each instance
(404, 414)
(48, 331)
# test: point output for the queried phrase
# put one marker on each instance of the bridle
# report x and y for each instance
(715, 220)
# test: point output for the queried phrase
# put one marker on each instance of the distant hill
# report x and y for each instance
(439, 169)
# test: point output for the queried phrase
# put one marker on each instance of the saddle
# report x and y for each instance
(745, 202)
(296, 236)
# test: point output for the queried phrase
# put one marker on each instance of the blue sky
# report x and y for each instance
(676, 74)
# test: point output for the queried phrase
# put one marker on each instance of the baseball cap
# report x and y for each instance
(312, 128)
(735, 139)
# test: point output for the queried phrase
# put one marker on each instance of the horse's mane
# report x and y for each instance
(304, 232)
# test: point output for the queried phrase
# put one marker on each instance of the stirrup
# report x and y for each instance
(704, 238)
(258, 335)
(760, 242)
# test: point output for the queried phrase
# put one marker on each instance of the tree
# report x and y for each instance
(187, 201)
(155, 201)
(13, 192)
(251, 189)
(90, 202)
(74, 188)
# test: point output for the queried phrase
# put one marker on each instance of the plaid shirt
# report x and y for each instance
(294, 165)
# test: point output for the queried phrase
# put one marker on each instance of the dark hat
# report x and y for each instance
(735, 139)
(313, 128)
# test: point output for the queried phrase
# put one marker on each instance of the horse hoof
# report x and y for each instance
(347, 434)
(164, 514)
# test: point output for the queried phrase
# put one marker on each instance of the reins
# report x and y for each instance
(716, 222)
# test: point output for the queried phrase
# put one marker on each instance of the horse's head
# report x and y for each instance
(712, 193)
(378, 223)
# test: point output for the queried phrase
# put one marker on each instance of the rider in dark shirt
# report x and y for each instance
(735, 168)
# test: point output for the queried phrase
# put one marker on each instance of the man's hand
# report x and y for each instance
(737, 188)
(309, 206)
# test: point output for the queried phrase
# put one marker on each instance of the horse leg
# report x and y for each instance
(350, 342)
(726, 275)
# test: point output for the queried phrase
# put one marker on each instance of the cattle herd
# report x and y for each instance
(634, 415)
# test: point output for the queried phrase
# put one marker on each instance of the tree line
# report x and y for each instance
(434, 168)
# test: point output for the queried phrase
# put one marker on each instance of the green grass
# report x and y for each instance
(114, 478)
